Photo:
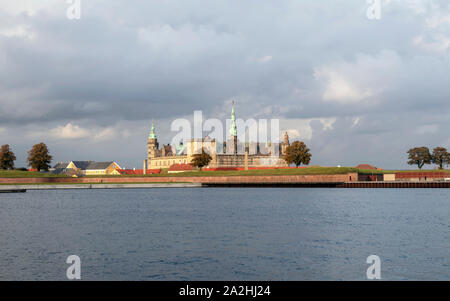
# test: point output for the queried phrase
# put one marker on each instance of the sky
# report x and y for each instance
(354, 87)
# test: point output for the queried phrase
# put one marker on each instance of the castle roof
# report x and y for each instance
(81, 164)
(91, 165)
(233, 128)
(152, 132)
(167, 150)
(98, 165)
(61, 165)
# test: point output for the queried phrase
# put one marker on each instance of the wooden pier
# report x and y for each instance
(12, 190)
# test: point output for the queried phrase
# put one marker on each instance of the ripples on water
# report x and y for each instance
(226, 234)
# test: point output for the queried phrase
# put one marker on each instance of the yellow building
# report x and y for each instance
(90, 168)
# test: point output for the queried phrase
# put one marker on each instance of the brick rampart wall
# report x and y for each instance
(411, 175)
(232, 179)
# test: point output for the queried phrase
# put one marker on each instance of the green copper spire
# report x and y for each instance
(152, 132)
(233, 128)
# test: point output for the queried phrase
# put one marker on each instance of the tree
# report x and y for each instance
(7, 157)
(200, 160)
(297, 153)
(440, 157)
(39, 158)
(419, 156)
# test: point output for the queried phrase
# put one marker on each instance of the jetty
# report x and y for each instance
(12, 190)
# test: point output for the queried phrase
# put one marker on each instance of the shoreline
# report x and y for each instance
(17, 187)
(362, 185)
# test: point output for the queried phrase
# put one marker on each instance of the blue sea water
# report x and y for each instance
(226, 234)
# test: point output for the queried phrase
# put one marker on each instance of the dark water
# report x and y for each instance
(226, 234)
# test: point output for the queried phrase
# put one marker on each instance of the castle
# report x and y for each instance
(229, 154)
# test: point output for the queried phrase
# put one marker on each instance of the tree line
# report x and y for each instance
(39, 157)
(421, 155)
(297, 153)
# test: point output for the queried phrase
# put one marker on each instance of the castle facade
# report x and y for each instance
(229, 154)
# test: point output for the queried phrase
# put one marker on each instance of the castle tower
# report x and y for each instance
(152, 143)
(232, 144)
(285, 143)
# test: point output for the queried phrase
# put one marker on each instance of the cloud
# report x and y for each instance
(105, 134)
(356, 121)
(435, 36)
(265, 59)
(436, 43)
(351, 82)
(328, 123)
(103, 78)
(28, 7)
(21, 31)
(293, 134)
(338, 88)
(70, 131)
(427, 129)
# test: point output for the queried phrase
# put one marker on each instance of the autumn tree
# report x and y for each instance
(7, 157)
(419, 156)
(297, 153)
(440, 157)
(39, 158)
(201, 160)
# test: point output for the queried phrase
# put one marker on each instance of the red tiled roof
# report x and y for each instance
(131, 171)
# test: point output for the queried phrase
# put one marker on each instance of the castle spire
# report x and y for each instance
(152, 132)
(233, 128)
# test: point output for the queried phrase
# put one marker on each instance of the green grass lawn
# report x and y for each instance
(274, 172)
(260, 172)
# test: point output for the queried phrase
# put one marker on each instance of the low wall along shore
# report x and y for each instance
(227, 179)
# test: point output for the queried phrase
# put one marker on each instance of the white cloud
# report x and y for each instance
(351, 82)
(69, 131)
(418, 7)
(435, 43)
(328, 123)
(21, 31)
(293, 134)
(297, 128)
(435, 36)
(438, 20)
(340, 89)
(72, 131)
(31, 7)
